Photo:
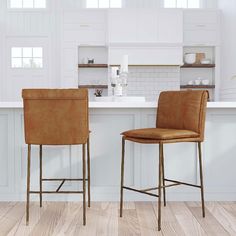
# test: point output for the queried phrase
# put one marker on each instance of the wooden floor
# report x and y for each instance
(102, 219)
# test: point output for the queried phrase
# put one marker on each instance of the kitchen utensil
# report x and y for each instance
(200, 57)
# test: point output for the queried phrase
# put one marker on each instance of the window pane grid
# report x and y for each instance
(103, 3)
(27, 57)
(182, 3)
(27, 4)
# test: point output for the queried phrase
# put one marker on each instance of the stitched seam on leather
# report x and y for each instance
(201, 115)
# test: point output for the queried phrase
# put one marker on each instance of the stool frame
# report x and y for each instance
(161, 181)
(63, 180)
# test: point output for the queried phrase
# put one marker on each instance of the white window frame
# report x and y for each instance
(32, 57)
(201, 5)
(103, 7)
(27, 8)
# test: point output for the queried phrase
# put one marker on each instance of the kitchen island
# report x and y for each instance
(107, 121)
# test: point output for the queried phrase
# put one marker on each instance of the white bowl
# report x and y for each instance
(197, 82)
(190, 58)
(206, 61)
(205, 81)
(190, 82)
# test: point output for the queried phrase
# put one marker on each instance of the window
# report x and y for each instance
(182, 3)
(27, 57)
(27, 4)
(103, 3)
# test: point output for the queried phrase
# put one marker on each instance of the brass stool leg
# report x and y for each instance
(159, 185)
(163, 179)
(122, 176)
(88, 170)
(201, 178)
(28, 184)
(40, 174)
(84, 186)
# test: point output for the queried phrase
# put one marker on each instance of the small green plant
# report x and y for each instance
(98, 92)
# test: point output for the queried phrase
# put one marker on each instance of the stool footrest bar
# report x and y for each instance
(65, 179)
(140, 191)
(156, 188)
(49, 192)
(179, 182)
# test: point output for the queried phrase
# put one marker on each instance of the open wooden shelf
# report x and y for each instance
(92, 65)
(94, 86)
(198, 66)
(197, 86)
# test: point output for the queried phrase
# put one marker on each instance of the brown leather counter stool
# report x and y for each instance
(56, 117)
(180, 118)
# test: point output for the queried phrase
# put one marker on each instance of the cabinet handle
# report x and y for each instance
(201, 26)
(84, 25)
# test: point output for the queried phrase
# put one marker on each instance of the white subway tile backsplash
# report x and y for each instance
(151, 80)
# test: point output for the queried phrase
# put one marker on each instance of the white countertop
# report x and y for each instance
(229, 105)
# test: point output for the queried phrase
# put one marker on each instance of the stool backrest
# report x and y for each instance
(56, 116)
(183, 110)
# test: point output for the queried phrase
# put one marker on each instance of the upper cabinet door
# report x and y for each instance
(122, 25)
(170, 26)
(86, 26)
(145, 26)
(201, 27)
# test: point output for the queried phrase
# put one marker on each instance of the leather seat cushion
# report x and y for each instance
(160, 134)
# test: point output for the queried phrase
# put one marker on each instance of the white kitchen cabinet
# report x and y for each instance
(145, 26)
(202, 27)
(147, 55)
(122, 25)
(170, 26)
(85, 27)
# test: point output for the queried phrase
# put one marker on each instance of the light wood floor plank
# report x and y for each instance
(170, 226)
(14, 215)
(227, 220)
(139, 218)
(35, 215)
(210, 225)
(49, 219)
(185, 218)
(147, 219)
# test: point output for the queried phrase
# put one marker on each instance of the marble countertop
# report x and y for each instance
(229, 105)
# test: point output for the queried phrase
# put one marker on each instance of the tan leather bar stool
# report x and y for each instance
(180, 118)
(56, 117)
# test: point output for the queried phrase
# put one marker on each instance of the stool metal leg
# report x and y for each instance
(88, 170)
(40, 175)
(159, 184)
(122, 176)
(84, 185)
(28, 184)
(163, 179)
(201, 178)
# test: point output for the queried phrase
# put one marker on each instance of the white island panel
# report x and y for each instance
(141, 162)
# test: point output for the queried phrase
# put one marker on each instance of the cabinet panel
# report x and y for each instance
(170, 26)
(202, 27)
(146, 25)
(147, 56)
(122, 25)
(85, 26)
(201, 37)
(200, 16)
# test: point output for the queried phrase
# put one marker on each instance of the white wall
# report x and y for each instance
(228, 60)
